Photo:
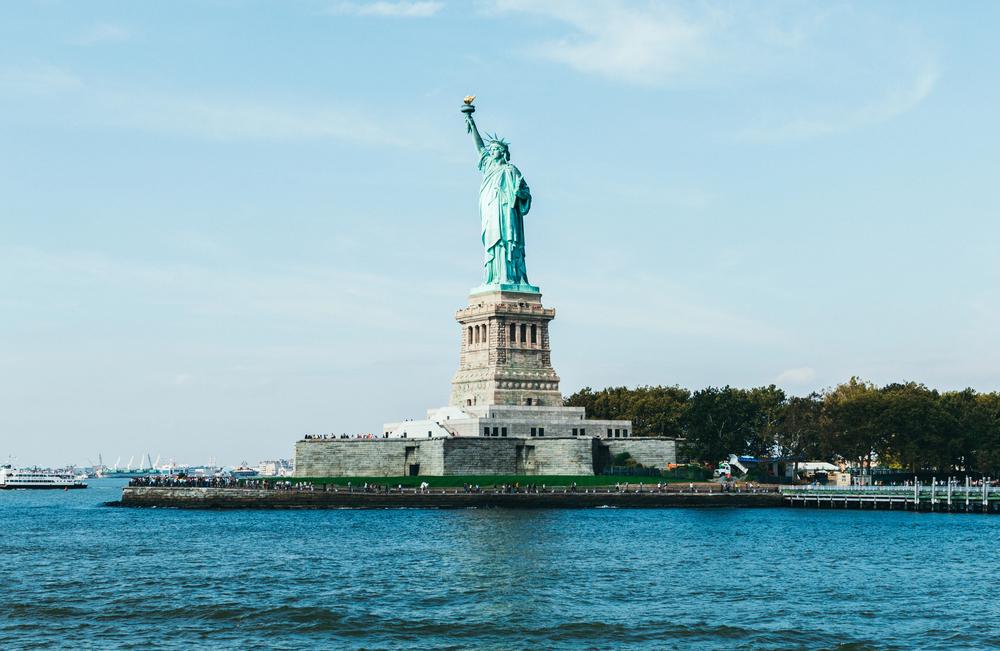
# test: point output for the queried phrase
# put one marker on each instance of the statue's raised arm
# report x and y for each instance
(470, 124)
(478, 139)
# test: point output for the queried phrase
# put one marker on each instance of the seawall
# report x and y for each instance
(242, 498)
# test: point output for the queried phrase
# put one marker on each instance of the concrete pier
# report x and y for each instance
(245, 498)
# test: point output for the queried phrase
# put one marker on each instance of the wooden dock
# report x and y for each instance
(946, 497)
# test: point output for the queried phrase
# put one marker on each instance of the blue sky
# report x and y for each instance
(227, 223)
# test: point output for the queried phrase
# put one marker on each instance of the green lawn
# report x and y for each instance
(490, 480)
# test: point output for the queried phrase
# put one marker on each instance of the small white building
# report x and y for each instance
(275, 468)
(809, 469)
(508, 421)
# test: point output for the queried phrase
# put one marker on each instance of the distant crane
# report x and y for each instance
(725, 468)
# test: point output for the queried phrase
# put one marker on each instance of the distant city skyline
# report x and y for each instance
(227, 224)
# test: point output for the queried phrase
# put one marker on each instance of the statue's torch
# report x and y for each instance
(468, 109)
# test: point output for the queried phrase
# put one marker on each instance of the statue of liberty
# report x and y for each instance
(504, 200)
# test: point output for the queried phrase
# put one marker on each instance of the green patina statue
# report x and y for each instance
(504, 200)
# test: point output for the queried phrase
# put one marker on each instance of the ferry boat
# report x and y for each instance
(128, 472)
(11, 478)
(112, 473)
(243, 471)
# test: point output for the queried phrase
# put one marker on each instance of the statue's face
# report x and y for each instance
(497, 152)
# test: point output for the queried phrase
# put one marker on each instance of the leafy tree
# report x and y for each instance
(905, 425)
(970, 423)
(657, 411)
(986, 448)
(766, 407)
(719, 422)
(654, 411)
(914, 427)
(850, 421)
(798, 432)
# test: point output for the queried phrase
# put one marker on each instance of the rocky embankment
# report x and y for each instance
(245, 498)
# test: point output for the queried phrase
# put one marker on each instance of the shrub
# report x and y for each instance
(623, 459)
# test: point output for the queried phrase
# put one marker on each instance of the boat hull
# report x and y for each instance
(49, 487)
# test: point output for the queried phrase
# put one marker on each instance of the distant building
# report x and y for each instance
(276, 468)
(822, 471)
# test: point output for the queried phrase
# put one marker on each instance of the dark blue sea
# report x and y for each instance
(76, 574)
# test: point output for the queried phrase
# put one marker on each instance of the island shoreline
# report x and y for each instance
(240, 498)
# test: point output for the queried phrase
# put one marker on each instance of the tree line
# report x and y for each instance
(907, 426)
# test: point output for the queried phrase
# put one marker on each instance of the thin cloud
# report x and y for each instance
(240, 119)
(894, 103)
(721, 46)
(103, 33)
(37, 80)
(209, 117)
(673, 310)
(796, 376)
(295, 293)
(643, 46)
(383, 9)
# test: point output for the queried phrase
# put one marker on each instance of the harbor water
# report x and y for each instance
(77, 574)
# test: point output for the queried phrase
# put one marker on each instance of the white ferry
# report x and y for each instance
(11, 478)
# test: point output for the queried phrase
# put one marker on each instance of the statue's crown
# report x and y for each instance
(494, 138)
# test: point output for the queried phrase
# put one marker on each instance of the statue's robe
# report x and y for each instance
(504, 200)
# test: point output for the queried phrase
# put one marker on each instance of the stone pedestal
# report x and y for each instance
(505, 354)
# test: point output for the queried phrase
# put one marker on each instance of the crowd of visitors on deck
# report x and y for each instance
(178, 481)
(182, 481)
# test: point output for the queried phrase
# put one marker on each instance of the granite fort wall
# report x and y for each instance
(480, 456)
(455, 456)
(368, 457)
(518, 456)
(473, 456)
(559, 456)
(650, 452)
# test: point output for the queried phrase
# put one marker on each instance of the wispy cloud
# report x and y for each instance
(215, 117)
(384, 9)
(103, 33)
(37, 80)
(896, 101)
(641, 45)
(888, 70)
(220, 118)
(796, 376)
(673, 311)
(292, 293)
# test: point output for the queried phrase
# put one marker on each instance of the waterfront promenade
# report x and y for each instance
(309, 496)
(256, 494)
